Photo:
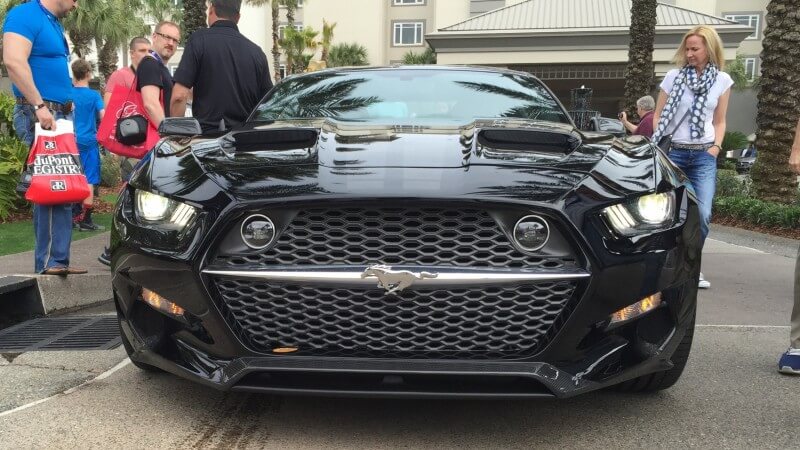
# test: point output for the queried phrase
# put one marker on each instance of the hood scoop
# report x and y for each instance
(519, 142)
(275, 139)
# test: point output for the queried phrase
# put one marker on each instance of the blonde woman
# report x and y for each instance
(691, 106)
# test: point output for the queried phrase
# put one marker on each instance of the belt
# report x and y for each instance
(64, 108)
(693, 147)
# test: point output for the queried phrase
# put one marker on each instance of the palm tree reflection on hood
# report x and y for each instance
(314, 96)
(534, 102)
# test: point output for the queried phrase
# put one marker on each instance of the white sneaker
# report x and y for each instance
(703, 283)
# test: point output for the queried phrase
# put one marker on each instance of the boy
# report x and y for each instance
(89, 110)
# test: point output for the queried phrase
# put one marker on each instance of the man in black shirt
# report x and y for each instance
(228, 72)
(153, 78)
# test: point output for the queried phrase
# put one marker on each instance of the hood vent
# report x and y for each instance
(537, 141)
(275, 139)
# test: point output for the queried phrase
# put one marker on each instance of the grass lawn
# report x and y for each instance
(16, 237)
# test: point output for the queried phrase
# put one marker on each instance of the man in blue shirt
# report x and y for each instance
(36, 55)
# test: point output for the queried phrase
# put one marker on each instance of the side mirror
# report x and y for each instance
(179, 126)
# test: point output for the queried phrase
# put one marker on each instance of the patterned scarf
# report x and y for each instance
(700, 86)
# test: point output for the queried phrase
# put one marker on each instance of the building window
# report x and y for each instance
(750, 20)
(297, 26)
(407, 2)
(750, 68)
(408, 33)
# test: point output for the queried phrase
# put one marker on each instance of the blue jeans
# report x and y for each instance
(52, 225)
(701, 168)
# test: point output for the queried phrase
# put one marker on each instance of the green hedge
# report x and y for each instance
(758, 212)
(732, 199)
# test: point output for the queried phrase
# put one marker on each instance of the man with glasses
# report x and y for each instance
(228, 73)
(153, 78)
(36, 55)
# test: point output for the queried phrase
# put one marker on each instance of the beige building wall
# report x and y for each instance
(449, 12)
(359, 21)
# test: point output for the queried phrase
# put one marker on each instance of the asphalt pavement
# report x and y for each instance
(730, 395)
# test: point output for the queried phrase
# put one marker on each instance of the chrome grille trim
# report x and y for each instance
(351, 277)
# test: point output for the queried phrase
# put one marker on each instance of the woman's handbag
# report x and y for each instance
(665, 142)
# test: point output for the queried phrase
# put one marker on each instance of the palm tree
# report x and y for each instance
(194, 17)
(342, 55)
(291, 6)
(295, 43)
(426, 57)
(640, 72)
(276, 52)
(327, 39)
(778, 104)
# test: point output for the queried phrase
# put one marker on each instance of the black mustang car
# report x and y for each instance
(408, 231)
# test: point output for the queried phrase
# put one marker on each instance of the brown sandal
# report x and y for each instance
(76, 271)
(56, 271)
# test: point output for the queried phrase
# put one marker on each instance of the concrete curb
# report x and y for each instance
(72, 291)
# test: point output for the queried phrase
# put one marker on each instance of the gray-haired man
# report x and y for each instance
(645, 108)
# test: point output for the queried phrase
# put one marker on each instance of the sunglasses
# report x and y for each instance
(169, 38)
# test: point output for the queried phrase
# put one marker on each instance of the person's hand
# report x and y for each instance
(623, 116)
(714, 150)
(46, 119)
(794, 159)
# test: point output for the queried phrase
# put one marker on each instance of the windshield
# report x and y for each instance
(411, 96)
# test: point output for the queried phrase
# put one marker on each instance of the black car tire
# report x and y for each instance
(666, 378)
(129, 351)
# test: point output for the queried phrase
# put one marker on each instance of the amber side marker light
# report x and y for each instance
(635, 310)
(161, 304)
(282, 350)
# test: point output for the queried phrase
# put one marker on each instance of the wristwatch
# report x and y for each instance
(40, 106)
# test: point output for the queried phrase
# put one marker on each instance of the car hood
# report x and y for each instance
(367, 160)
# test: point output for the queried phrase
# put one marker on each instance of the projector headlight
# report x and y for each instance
(155, 209)
(647, 213)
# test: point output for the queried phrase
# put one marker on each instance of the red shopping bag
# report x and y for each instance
(125, 103)
(55, 165)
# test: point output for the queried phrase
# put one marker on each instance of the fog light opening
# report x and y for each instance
(161, 304)
(637, 309)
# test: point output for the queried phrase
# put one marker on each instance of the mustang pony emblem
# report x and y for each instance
(394, 280)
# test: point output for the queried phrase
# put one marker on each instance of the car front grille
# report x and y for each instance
(395, 236)
(468, 323)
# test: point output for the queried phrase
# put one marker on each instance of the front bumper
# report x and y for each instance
(584, 355)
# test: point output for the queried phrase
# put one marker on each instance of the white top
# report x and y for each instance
(682, 134)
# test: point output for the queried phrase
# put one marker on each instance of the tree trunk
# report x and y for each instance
(107, 60)
(639, 75)
(778, 103)
(276, 51)
(291, 64)
(194, 17)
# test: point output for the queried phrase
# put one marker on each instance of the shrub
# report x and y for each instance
(346, 54)
(426, 57)
(6, 113)
(110, 175)
(734, 140)
(13, 154)
(728, 185)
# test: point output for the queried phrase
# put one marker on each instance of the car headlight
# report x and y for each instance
(646, 213)
(156, 209)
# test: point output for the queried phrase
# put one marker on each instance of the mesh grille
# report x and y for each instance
(474, 323)
(422, 236)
